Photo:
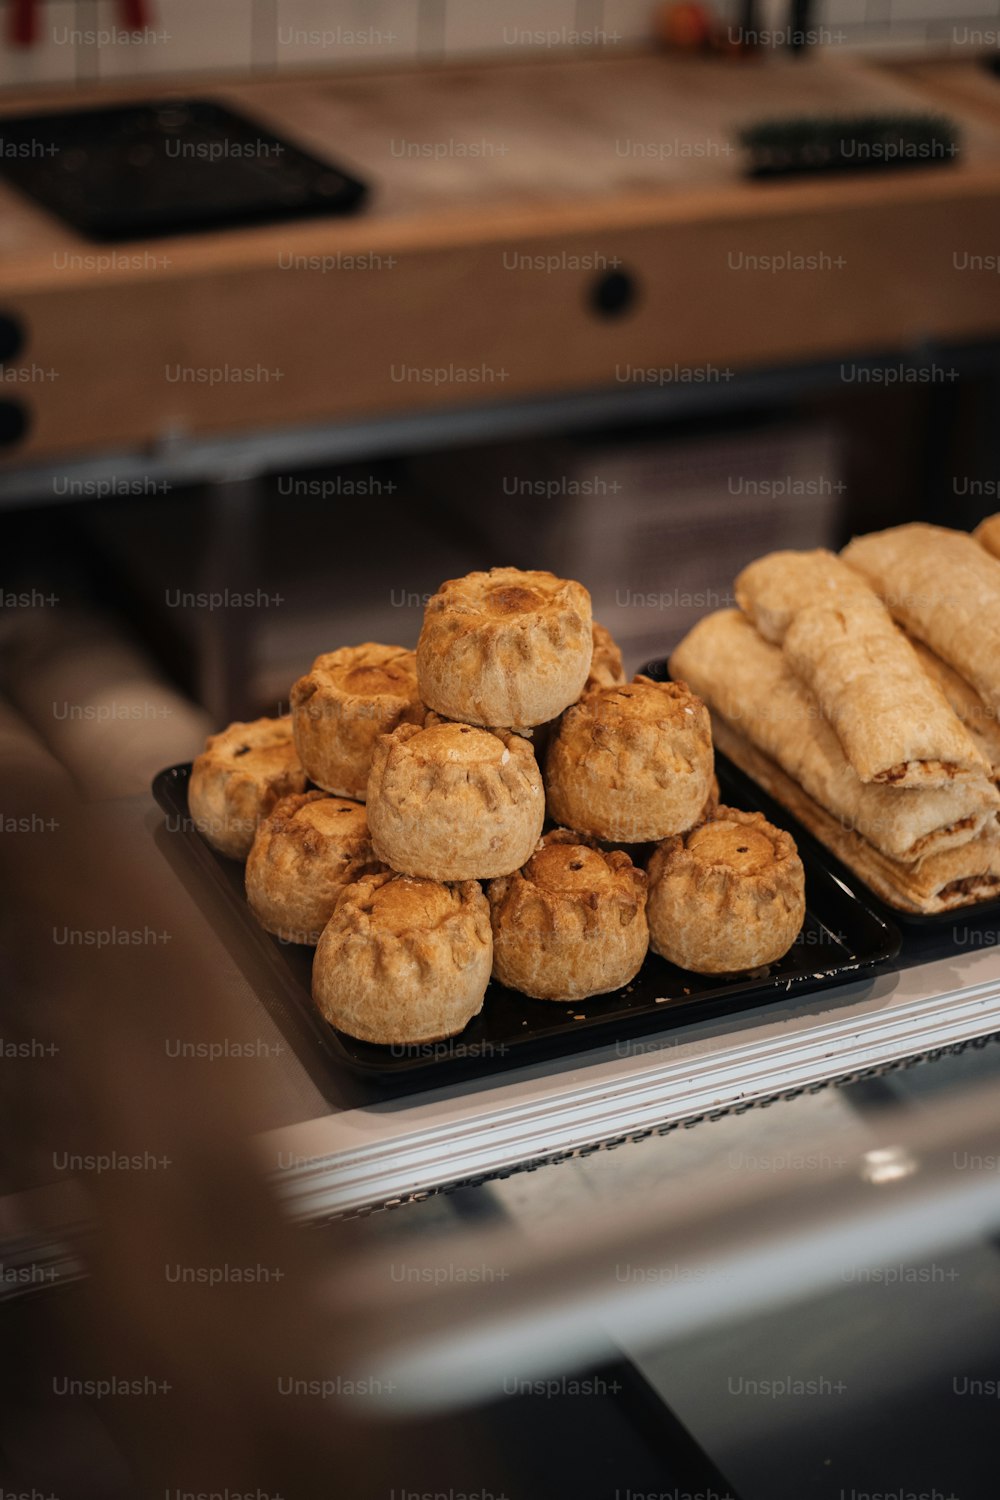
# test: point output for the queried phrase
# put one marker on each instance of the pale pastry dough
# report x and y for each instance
(945, 881)
(987, 534)
(629, 764)
(749, 684)
(404, 961)
(980, 721)
(344, 703)
(771, 590)
(238, 778)
(894, 724)
(454, 802)
(944, 588)
(728, 896)
(308, 848)
(571, 923)
(505, 648)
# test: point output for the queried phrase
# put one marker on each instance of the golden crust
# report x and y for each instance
(980, 721)
(404, 961)
(505, 648)
(571, 923)
(947, 880)
(631, 764)
(942, 587)
(893, 722)
(310, 847)
(347, 699)
(894, 725)
(749, 684)
(237, 779)
(606, 666)
(728, 896)
(454, 802)
(987, 534)
(773, 589)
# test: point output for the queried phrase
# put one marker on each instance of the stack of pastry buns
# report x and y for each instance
(396, 818)
(862, 692)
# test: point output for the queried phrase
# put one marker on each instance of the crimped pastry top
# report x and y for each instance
(733, 853)
(366, 671)
(504, 594)
(573, 864)
(569, 876)
(622, 715)
(606, 666)
(642, 698)
(737, 846)
(405, 907)
(458, 759)
(312, 817)
(260, 748)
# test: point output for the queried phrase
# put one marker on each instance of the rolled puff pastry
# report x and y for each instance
(987, 534)
(945, 880)
(893, 722)
(749, 685)
(943, 588)
(771, 590)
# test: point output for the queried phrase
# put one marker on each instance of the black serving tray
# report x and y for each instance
(842, 937)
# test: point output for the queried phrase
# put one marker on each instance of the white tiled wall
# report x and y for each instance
(85, 38)
(317, 32)
(508, 25)
(216, 34)
(53, 58)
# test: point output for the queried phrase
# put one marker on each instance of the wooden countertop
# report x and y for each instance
(630, 159)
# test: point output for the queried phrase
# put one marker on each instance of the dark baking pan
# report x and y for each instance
(842, 938)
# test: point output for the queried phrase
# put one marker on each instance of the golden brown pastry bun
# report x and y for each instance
(630, 764)
(305, 852)
(606, 666)
(237, 779)
(404, 961)
(453, 802)
(346, 700)
(571, 923)
(505, 648)
(728, 896)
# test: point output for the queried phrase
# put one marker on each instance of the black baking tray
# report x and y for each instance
(980, 913)
(842, 938)
(172, 166)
